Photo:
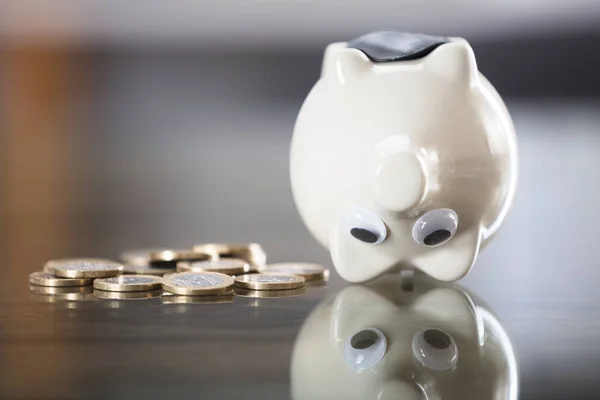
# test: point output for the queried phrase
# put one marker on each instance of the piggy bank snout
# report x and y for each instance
(401, 181)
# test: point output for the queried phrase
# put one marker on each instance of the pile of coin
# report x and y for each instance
(210, 271)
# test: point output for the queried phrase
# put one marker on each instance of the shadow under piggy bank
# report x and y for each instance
(403, 338)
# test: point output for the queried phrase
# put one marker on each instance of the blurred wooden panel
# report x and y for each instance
(38, 89)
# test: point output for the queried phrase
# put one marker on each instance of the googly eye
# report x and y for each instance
(435, 349)
(365, 349)
(364, 225)
(435, 227)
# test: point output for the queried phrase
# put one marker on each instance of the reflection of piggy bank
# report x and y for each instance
(403, 154)
(388, 341)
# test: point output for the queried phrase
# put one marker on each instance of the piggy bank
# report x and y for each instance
(403, 155)
(428, 340)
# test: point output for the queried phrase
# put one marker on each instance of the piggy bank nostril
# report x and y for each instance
(437, 237)
(364, 235)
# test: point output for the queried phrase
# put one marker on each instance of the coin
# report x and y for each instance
(269, 294)
(172, 257)
(146, 270)
(149, 294)
(84, 268)
(45, 279)
(251, 252)
(269, 281)
(140, 256)
(197, 283)
(128, 283)
(52, 294)
(230, 266)
(214, 299)
(49, 270)
(310, 272)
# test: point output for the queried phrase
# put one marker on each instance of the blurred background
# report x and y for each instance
(129, 124)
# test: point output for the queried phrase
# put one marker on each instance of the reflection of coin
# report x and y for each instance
(197, 283)
(310, 272)
(214, 299)
(149, 294)
(253, 253)
(146, 270)
(271, 294)
(230, 266)
(128, 283)
(84, 268)
(172, 257)
(269, 281)
(46, 279)
(52, 294)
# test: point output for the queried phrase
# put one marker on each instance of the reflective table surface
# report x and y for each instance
(530, 308)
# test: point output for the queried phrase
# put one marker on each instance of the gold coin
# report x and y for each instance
(214, 299)
(52, 294)
(45, 279)
(85, 268)
(146, 270)
(140, 256)
(128, 283)
(172, 257)
(269, 294)
(149, 294)
(230, 266)
(197, 283)
(253, 253)
(269, 281)
(310, 272)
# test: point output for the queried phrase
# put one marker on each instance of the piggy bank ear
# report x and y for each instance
(342, 63)
(453, 61)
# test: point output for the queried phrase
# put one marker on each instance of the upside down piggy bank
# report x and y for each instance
(403, 154)
(431, 341)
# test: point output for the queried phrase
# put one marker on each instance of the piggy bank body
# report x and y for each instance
(403, 154)
(427, 340)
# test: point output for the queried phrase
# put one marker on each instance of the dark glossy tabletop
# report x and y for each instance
(539, 276)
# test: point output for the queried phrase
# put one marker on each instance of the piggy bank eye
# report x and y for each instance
(365, 349)
(435, 349)
(435, 227)
(364, 225)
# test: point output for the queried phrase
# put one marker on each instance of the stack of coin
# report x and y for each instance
(253, 253)
(230, 266)
(74, 272)
(170, 258)
(269, 281)
(310, 272)
(207, 273)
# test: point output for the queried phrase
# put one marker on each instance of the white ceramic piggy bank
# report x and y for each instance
(425, 341)
(403, 154)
